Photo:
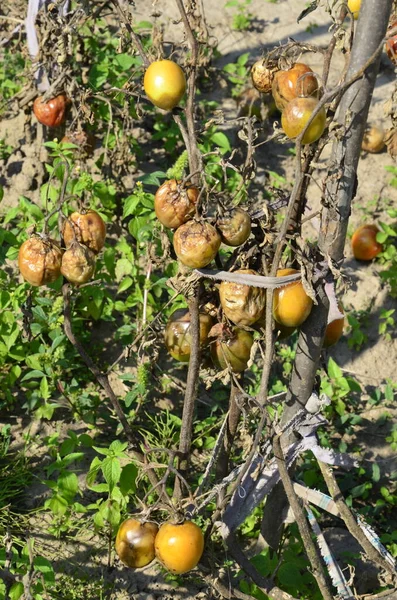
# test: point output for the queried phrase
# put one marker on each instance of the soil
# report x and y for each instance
(372, 364)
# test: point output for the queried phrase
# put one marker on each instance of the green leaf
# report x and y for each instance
(57, 504)
(44, 389)
(128, 477)
(123, 267)
(16, 591)
(375, 473)
(333, 370)
(221, 140)
(125, 284)
(125, 61)
(68, 485)
(289, 574)
(111, 470)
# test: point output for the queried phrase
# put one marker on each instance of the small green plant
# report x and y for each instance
(243, 19)
(387, 323)
(357, 320)
(337, 387)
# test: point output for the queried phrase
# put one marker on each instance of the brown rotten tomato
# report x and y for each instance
(39, 260)
(373, 140)
(88, 228)
(177, 334)
(242, 304)
(298, 81)
(51, 113)
(84, 140)
(196, 243)
(291, 304)
(78, 263)
(234, 227)
(135, 543)
(175, 203)
(164, 83)
(364, 244)
(232, 348)
(334, 330)
(179, 547)
(296, 115)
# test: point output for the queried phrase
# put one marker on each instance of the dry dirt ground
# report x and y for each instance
(372, 365)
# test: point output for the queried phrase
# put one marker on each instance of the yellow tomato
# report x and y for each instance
(179, 547)
(291, 304)
(164, 83)
(354, 6)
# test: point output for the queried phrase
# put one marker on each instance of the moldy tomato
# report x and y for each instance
(295, 116)
(78, 263)
(39, 260)
(298, 81)
(135, 543)
(164, 83)
(85, 141)
(51, 113)
(234, 227)
(196, 243)
(291, 304)
(88, 228)
(179, 547)
(373, 140)
(232, 349)
(262, 75)
(242, 304)
(174, 203)
(177, 333)
(364, 244)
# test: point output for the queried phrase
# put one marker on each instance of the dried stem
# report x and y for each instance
(349, 519)
(190, 392)
(222, 466)
(134, 36)
(303, 526)
(103, 381)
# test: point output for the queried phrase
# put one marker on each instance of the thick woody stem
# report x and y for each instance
(360, 81)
